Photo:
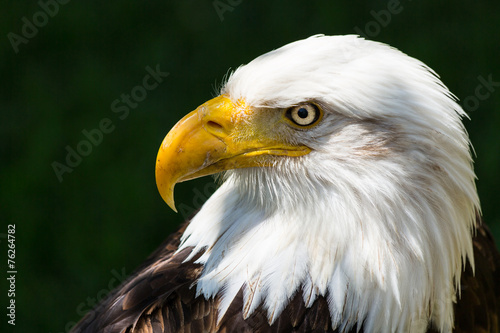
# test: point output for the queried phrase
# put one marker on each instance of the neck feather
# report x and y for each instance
(385, 254)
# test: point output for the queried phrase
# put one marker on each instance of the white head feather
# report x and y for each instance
(377, 218)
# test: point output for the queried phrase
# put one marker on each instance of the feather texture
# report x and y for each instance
(477, 308)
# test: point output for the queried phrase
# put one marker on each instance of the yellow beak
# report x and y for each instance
(219, 135)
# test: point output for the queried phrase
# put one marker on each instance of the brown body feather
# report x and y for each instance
(160, 297)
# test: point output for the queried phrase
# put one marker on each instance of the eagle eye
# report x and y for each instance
(304, 115)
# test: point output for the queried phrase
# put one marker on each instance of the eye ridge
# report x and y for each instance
(304, 114)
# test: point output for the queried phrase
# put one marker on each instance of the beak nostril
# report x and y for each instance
(214, 125)
(216, 129)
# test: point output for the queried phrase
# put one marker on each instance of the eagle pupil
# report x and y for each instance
(302, 113)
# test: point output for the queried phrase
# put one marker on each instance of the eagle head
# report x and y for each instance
(347, 174)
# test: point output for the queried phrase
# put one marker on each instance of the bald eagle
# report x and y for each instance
(348, 204)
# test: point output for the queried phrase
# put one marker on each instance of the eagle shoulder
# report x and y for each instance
(478, 300)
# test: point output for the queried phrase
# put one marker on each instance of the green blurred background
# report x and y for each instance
(78, 237)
